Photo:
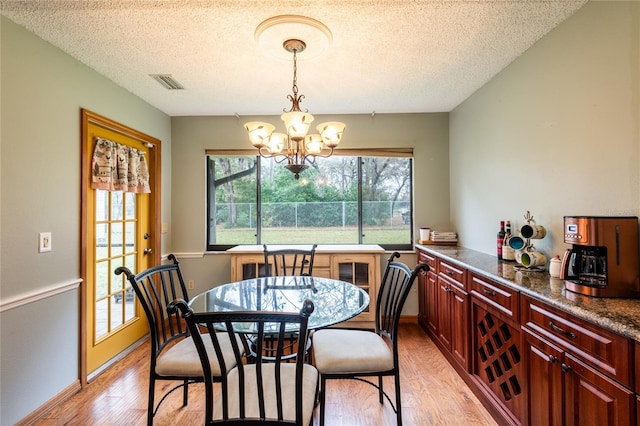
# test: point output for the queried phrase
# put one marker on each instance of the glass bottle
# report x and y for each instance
(507, 252)
(500, 239)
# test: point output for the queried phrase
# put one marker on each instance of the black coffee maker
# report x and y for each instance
(603, 261)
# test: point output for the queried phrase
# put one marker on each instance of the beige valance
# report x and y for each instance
(117, 167)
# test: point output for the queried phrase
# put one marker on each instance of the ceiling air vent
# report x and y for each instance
(167, 81)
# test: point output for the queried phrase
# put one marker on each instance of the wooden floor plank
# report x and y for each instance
(432, 394)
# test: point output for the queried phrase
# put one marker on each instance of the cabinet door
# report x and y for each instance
(592, 398)
(444, 313)
(247, 266)
(422, 299)
(358, 270)
(432, 302)
(497, 357)
(544, 377)
(459, 302)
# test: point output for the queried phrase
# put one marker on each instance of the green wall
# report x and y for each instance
(42, 92)
(557, 132)
(427, 134)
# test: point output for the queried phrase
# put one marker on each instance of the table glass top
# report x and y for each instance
(334, 301)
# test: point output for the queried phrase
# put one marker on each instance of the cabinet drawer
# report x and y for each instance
(428, 259)
(495, 294)
(451, 272)
(608, 352)
(321, 261)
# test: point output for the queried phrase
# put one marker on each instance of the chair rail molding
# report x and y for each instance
(188, 255)
(39, 294)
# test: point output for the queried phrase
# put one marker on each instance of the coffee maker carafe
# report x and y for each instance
(603, 261)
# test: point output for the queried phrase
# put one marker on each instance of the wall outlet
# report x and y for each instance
(191, 284)
(44, 242)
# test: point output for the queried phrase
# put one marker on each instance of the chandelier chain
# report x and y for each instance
(295, 72)
(294, 98)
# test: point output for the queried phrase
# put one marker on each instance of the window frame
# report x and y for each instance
(358, 153)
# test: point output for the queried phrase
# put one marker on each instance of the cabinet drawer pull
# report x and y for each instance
(489, 292)
(565, 368)
(557, 329)
(553, 359)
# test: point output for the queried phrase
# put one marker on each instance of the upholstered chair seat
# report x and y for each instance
(182, 359)
(349, 351)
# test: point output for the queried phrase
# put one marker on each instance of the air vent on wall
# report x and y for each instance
(167, 81)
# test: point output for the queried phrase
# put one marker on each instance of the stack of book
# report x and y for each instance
(444, 237)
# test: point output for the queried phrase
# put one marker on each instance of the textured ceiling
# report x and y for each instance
(385, 56)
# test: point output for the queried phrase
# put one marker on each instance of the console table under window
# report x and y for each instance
(357, 264)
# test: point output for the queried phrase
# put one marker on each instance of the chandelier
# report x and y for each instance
(295, 146)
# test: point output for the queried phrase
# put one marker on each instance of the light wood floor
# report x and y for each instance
(432, 394)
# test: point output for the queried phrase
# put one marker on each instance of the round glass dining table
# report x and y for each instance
(334, 301)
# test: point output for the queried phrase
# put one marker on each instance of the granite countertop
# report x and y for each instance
(619, 315)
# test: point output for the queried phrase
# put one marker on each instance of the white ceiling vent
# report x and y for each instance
(167, 81)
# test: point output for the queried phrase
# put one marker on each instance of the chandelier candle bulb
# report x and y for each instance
(314, 144)
(259, 133)
(331, 132)
(297, 123)
(276, 143)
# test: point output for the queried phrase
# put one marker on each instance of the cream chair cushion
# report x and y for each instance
(288, 377)
(182, 358)
(350, 351)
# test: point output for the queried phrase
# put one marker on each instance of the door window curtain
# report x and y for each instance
(117, 167)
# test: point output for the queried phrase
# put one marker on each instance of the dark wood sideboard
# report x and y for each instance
(533, 353)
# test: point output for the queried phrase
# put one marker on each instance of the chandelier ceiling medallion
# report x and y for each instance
(295, 146)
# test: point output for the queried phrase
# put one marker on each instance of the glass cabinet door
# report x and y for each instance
(247, 267)
(357, 270)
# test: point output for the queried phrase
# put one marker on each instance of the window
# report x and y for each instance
(339, 200)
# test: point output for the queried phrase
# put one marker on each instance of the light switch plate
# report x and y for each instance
(44, 243)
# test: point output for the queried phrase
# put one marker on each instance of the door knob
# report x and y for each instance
(147, 251)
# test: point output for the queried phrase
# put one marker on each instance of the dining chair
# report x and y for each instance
(261, 392)
(173, 355)
(282, 262)
(288, 261)
(364, 354)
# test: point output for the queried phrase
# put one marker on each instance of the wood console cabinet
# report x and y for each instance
(357, 264)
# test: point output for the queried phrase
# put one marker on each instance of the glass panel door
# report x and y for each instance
(116, 245)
